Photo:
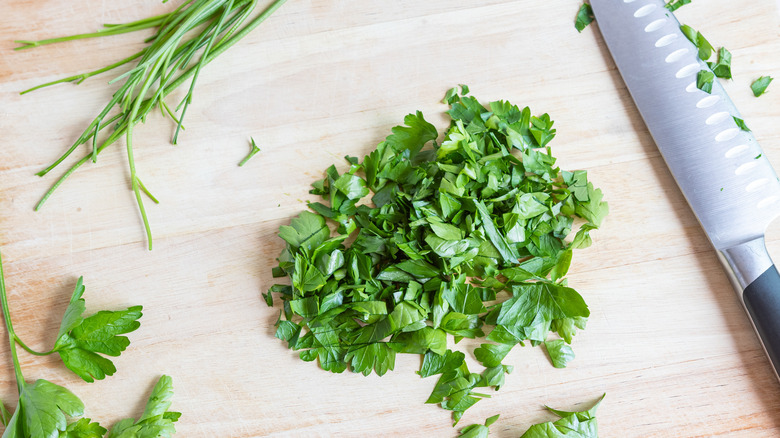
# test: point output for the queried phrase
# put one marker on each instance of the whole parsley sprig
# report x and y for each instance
(455, 238)
(187, 39)
(46, 410)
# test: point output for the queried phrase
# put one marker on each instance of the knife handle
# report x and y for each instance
(757, 281)
(762, 301)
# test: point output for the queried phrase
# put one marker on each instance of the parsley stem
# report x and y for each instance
(251, 153)
(161, 67)
(30, 350)
(108, 30)
(9, 326)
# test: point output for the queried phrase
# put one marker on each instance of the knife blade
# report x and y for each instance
(720, 169)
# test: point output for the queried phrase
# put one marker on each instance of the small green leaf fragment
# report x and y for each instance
(584, 17)
(704, 80)
(560, 353)
(759, 85)
(570, 425)
(741, 124)
(722, 68)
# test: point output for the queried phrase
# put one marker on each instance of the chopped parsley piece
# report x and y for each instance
(571, 424)
(584, 17)
(478, 430)
(722, 68)
(423, 240)
(698, 40)
(741, 124)
(704, 80)
(759, 85)
(674, 5)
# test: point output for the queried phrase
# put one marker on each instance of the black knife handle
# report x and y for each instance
(762, 301)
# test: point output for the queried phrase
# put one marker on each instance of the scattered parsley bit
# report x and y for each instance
(698, 40)
(704, 80)
(674, 5)
(757, 157)
(571, 424)
(478, 430)
(252, 152)
(759, 85)
(584, 17)
(560, 352)
(741, 124)
(722, 68)
(460, 238)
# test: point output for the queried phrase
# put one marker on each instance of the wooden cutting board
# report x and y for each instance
(667, 341)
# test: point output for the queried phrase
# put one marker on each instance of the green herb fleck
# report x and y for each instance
(478, 430)
(674, 5)
(759, 85)
(757, 157)
(741, 124)
(571, 424)
(698, 40)
(584, 17)
(722, 68)
(704, 80)
(560, 353)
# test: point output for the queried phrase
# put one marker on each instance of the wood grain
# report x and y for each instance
(667, 341)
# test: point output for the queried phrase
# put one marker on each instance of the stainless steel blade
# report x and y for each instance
(726, 179)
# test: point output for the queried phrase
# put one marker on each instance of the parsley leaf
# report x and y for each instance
(81, 339)
(570, 425)
(722, 68)
(560, 353)
(307, 231)
(741, 124)
(83, 428)
(673, 5)
(478, 430)
(584, 17)
(698, 40)
(156, 421)
(42, 410)
(704, 80)
(759, 85)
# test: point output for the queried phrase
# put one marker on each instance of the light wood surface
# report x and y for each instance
(667, 341)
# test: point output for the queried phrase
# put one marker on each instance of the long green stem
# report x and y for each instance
(83, 76)
(218, 24)
(109, 29)
(10, 328)
(30, 350)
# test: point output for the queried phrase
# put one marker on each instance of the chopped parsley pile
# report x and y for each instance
(471, 237)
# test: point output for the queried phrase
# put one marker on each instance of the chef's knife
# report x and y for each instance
(720, 168)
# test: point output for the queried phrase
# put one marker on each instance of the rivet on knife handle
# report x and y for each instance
(723, 174)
